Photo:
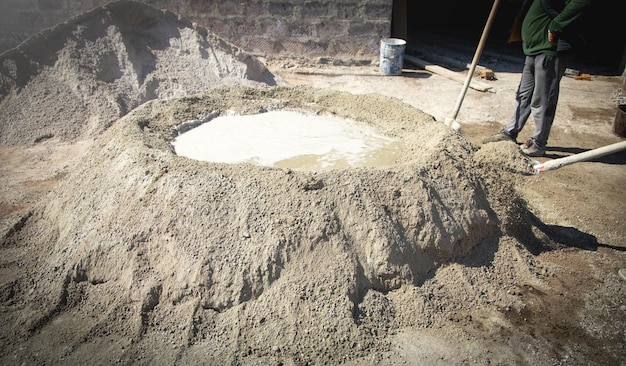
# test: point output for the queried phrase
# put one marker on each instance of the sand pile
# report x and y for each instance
(74, 80)
(140, 256)
(139, 247)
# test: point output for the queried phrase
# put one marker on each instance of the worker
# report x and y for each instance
(548, 40)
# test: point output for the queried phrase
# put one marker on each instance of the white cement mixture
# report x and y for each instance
(287, 139)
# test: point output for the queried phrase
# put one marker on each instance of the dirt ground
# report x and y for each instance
(116, 251)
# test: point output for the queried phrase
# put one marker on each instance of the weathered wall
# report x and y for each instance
(320, 27)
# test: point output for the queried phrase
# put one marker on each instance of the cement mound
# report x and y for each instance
(140, 256)
(236, 263)
(73, 81)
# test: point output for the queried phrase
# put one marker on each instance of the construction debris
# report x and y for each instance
(436, 69)
(487, 74)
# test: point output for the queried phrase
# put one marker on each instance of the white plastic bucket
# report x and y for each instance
(392, 55)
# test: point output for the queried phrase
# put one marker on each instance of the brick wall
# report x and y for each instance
(287, 27)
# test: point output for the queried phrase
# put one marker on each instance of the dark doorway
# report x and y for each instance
(436, 29)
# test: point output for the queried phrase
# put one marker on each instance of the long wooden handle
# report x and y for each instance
(587, 155)
(479, 50)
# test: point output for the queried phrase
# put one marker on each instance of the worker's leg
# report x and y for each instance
(523, 98)
(548, 73)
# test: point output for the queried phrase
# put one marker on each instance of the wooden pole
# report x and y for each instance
(587, 155)
(479, 50)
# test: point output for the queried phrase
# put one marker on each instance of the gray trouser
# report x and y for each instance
(538, 92)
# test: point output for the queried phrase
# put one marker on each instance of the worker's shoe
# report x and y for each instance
(500, 136)
(530, 148)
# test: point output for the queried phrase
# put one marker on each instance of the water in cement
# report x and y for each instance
(288, 139)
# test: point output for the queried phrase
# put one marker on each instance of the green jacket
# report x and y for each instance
(538, 21)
